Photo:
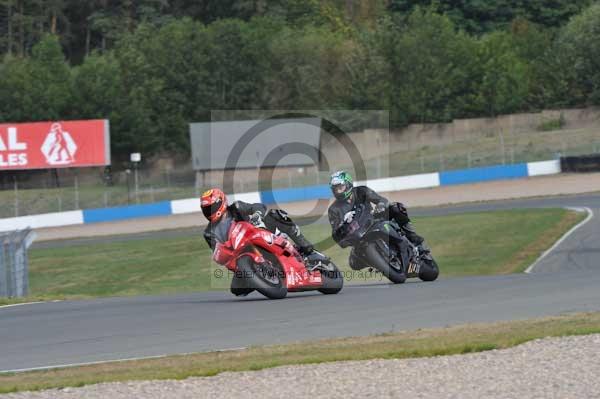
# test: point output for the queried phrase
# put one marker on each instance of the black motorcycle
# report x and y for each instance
(380, 244)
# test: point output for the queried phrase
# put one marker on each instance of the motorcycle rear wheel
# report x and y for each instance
(379, 262)
(271, 286)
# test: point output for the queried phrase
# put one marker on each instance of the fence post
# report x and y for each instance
(12, 282)
(76, 191)
(3, 267)
(137, 183)
(14, 263)
(168, 174)
(16, 196)
(502, 147)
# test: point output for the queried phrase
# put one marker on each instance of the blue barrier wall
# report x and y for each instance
(483, 174)
(498, 172)
(127, 212)
(295, 194)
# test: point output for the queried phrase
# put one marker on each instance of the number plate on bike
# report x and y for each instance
(413, 269)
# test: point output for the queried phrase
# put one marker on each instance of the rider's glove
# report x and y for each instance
(256, 219)
(349, 216)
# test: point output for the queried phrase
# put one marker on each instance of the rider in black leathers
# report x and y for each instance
(221, 215)
(347, 196)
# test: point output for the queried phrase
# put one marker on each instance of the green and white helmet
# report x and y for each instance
(341, 185)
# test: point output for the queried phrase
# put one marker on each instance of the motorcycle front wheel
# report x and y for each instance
(333, 280)
(267, 278)
(429, 270)
(379, 262)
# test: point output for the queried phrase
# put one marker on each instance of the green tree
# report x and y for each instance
(308, 69)
(50, 80)
(15, 88)
(503, 83)
(535, 48)
(96, 87)
(430, 65)
(579, 51)
(37, 88)
(368, 70)
(167, 81)
(480, 16)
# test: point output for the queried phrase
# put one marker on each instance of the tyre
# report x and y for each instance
(429, 270)
(268, 278)
(333, 280)
(239, 286)
(380, 263)
(241, 291)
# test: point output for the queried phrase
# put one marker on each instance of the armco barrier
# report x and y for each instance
(192, 205)
(403, 182)
(581, 164)
(295, 194)
(127, 212)
(43, 220)
(543, 168)
(483, 174)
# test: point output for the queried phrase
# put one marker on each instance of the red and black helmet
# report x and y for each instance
(214, 204)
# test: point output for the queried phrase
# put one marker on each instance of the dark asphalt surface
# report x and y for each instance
(50, 334)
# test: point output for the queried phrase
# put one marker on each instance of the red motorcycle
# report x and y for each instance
(271, 264)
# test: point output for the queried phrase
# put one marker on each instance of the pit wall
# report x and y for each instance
(89, 216)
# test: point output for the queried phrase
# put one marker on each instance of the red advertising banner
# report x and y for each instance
(48, 145)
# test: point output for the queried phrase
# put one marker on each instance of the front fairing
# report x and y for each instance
(248, 240)
(239, 243)
(382, 229)
(358, 228)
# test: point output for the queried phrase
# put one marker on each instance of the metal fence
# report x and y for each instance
(422, 152)
(14, 263)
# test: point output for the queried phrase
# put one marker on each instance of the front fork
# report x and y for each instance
(407, 263)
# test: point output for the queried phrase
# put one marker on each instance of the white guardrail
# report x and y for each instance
(192, 205)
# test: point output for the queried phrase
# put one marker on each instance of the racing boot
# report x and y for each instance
(410, 233)
(304, 246)
(311, 258)
(279, 220)
(417, 241)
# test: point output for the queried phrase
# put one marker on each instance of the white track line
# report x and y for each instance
(27, 303)
(19, 304)
(563, 238)
(61, 366)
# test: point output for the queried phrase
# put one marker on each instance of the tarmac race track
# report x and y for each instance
(73, 332)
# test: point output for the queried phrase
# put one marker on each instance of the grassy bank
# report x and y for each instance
(469, 244)
(421, 343)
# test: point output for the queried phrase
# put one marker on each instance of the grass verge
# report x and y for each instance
(420, 343)
(468, 244)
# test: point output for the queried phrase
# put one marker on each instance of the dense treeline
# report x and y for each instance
(152, 66)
